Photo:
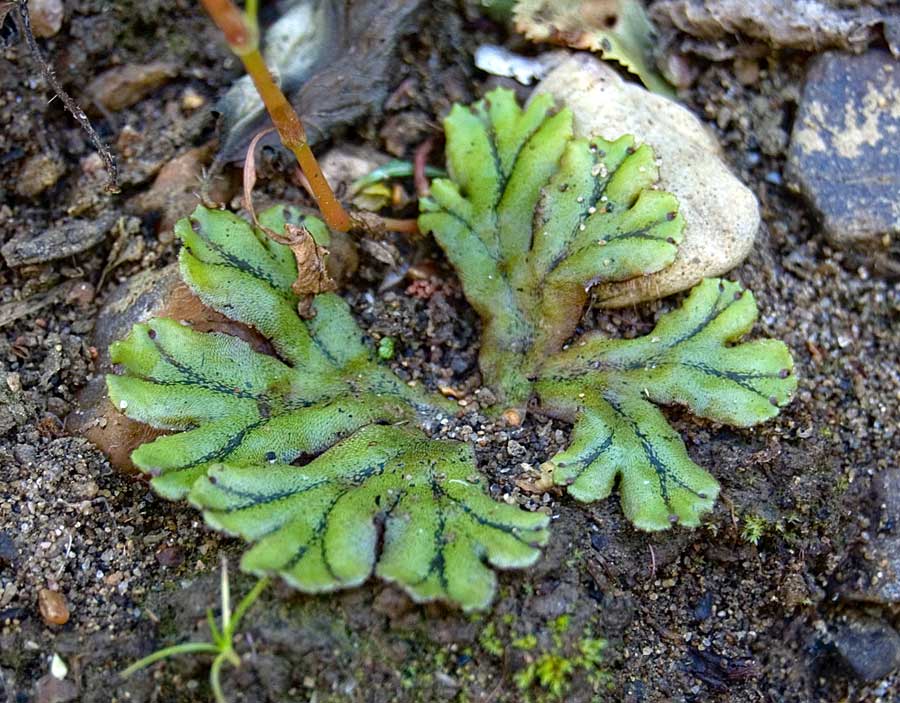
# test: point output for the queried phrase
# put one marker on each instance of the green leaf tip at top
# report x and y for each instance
(240, 413)
(531, 219)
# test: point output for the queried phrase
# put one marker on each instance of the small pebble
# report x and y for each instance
(169, 556)
(46, 17)
(53, 607)
(191, 100)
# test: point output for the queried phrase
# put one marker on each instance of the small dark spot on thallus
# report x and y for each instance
(738, 294)
(773, 400)
(784, 373)
(151, 333)
(271, 456)
(670, 215)
(212, 480)
(629, 150)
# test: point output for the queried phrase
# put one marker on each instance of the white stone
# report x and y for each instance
(721, 214)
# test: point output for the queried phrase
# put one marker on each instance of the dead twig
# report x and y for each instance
(112, 170)
(420, 160)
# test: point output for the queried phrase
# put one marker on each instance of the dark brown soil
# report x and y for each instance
(688, 616)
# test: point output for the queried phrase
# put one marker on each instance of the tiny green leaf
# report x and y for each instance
(608, 386)
(241, 413)
(319, 525)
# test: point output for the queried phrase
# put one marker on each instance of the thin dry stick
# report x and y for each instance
(112, 171)
(242, 35)
(420, 160)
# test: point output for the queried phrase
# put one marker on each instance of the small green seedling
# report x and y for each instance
(222, 645)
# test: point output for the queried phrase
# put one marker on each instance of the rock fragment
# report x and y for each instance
(869, 647)
(50, 689)
(875, 578)
(809, 25)
(39, 173)
(8, 550)
(64, 238)
(53, 607)
(721, 214)
(123, 86)
(845, 148)
(177, 189)
(46, 17)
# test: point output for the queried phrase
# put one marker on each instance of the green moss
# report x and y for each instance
(754, 529)
(526, 642)
(386, 348)
(489, 641)
(561, 624)
(549, 663)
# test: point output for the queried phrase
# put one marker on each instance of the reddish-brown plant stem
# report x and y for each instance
(242, 38)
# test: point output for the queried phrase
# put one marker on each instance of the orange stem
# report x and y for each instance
(244, 43)
(403, 226)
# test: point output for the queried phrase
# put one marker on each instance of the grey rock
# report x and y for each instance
(557, 602)
(876, 578)
(869, 647)
(845, 147)
(13, 411)
(70, 236)
(8, 550)
(49, 689)
(810, 25)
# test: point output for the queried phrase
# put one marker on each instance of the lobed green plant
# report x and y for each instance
(310, 447)
(369, 494)
(531, 219)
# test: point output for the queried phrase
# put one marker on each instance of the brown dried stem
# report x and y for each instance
(242, 35)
